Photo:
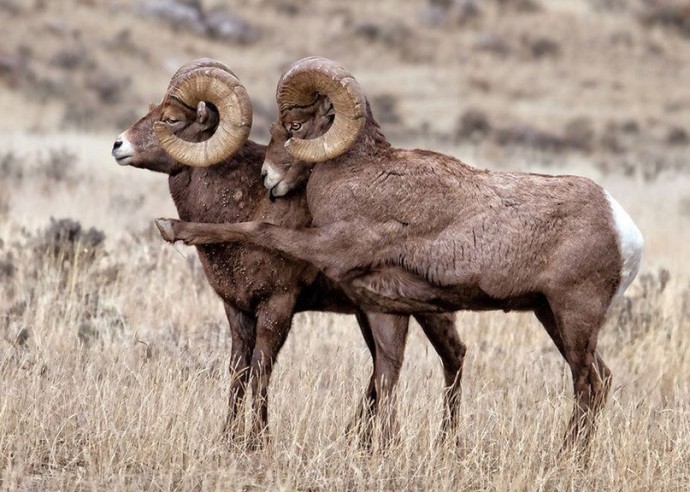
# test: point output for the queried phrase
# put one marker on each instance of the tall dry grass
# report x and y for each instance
(113, 368)
(114, 375)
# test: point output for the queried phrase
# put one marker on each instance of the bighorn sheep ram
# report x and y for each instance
(405, 231)
(198, 136)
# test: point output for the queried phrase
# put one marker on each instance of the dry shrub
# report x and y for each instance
(218, 22)
(396, 36)
(674, 14)
(65, 240)
(10, 7)
(610, 139)
(677, 136)
(473, 125)
(4, 201)
(579, 134)
(101, 103)
(614, 5)
(389, 34)
(99, 320)
(7, 267)
(109, 87)
(124, 42)
(180, 15)
(15, 69)
(385, 107)
(524, 134)
(542, 47)
(11, 167)
(291, 8)
(14, 314)
(73, 57)
(54, 166)
(528, 46)
(221, 23)
(492, 43)
(58, 166)
(525, 6)
(61, 266)
(654, 165)
(450, 12)
(92, 96)
(642, 310)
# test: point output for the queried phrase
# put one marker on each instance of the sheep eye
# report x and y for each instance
(171, 120)
(295, 125)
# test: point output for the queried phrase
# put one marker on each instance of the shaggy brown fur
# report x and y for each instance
(262, 290)
(405, 231)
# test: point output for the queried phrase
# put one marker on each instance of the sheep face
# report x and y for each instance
(281, 172)
(139, 147)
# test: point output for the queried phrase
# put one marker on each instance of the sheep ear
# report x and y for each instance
(202, 113)
(328, 107)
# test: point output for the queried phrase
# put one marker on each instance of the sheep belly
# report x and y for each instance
(395, 290)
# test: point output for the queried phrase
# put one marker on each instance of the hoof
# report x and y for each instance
(166, 229)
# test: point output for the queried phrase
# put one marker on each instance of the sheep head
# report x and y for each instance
(322, 113)
(203, 119)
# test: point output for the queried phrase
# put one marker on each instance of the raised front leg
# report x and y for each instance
(243, 336)
(274, 318)
(330, 248)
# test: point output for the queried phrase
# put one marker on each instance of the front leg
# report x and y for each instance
(441, 331)
(243, 336)
(274, 318)
(337, 249)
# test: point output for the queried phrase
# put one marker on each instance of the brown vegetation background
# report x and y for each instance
(113, 348)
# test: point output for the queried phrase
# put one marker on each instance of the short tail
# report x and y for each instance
(630, 243)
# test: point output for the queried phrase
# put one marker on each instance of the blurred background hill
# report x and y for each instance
(594, 87)
(113, 347)
(600, 77)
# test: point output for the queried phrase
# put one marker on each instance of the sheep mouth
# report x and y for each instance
(272, 192)
(123, 160)
(278, 191)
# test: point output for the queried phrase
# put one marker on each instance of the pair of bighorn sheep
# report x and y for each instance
(197, 135)
(413, 231)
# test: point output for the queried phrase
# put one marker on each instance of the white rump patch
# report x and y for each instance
(631, 244)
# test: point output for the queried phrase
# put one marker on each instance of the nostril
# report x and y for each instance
(264, 173)
(117, 144)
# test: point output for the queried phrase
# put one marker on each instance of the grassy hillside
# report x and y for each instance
(113, 348)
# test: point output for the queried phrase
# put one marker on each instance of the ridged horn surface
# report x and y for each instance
(299, 87)
(213, 82)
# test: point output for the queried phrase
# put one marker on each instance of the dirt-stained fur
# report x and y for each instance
(261, 290)
(405, 231)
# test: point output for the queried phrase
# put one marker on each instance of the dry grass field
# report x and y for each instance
(113, 349)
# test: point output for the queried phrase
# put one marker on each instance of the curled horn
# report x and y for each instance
(213, 82)
(300, 85)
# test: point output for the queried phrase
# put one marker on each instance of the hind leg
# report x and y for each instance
(548, 320)
(389, 335)
(578, 316)
(441, 332)
(366, 407)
